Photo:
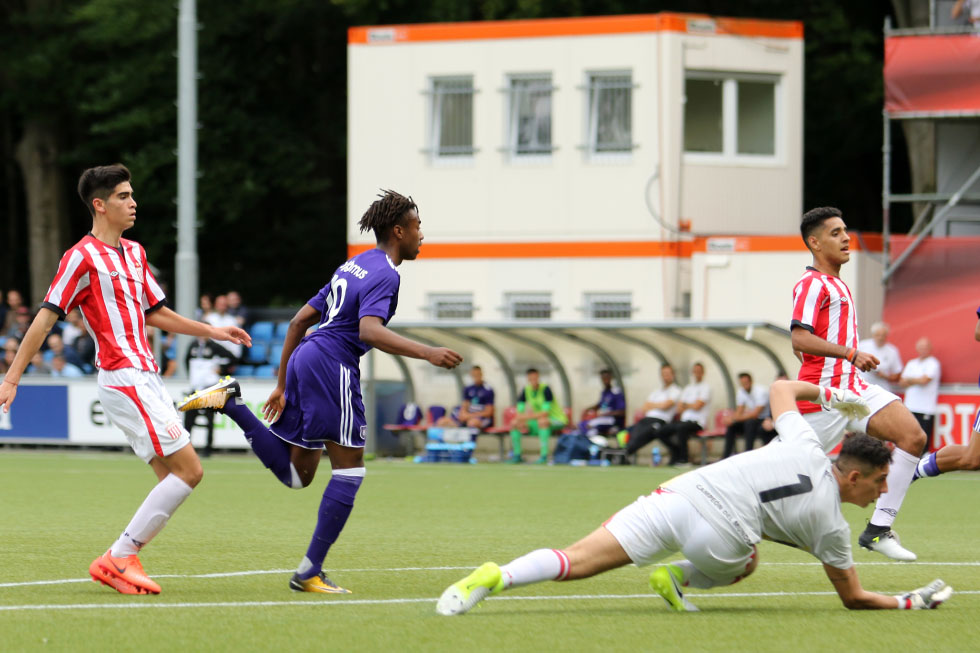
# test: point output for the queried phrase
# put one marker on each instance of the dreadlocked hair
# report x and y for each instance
(385, 213)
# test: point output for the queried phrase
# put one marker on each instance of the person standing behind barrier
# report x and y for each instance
(889, 368)
(693, 407)
(538, 414)
(751, 408)
(659, 408)
(920, 378)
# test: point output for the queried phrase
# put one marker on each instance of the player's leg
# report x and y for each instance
(518, 429)
(542, 429)
(597, 552)
(335, 508)
(733, 430)
(642, 433)
(953, 457)
(892, 422)
(139, 405)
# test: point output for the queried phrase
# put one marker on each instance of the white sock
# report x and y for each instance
(536, 566)
(297, 483)
(693, 577)
(152, 516)
(899, 479)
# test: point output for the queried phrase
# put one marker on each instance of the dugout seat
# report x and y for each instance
(261, 332)
(716, 431)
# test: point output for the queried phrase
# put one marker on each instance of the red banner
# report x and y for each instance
(935, 73)
(954, 419)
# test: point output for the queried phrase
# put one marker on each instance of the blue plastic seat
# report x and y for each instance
(245, 370)
(262, 332)
(265, 372)
(258, 353)
(281, 329)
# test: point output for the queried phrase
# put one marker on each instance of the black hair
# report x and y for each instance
(605, 370)
(532, 370)
(741, 374)
(816, 217)
(476, 367)
(100, 182)
(864, 450)
(385, 213)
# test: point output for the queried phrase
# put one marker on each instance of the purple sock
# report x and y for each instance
(335, 507)
(273, 452)
(931, 468)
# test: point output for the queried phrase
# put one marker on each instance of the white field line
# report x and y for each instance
(431, 600)
(259, 572)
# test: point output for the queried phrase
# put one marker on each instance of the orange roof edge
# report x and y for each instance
(579, 26)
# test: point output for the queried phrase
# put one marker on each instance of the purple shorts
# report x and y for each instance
(323, 401)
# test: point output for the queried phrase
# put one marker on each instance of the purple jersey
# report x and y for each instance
(365, 285)
(613, 399)
(479, 396)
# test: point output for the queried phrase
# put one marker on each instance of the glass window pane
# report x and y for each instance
(756, 118)
(703, 115)
(610, 98)
(453, 108)
(531, 115)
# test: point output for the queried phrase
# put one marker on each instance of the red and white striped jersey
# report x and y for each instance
(822, 304)
(114, 289)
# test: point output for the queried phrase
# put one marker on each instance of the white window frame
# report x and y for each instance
(592, 116)
(513, 299)
(435, 149)
(594, 298)
(434, 300)
(542, 82)
(729, 112)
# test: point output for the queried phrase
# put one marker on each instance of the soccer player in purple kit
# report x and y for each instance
(316, 404)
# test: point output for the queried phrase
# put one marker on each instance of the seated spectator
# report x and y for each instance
(56, 347)
(220, 317)
(751, 408)
(538, 414)
(476, 411)
(659, 409)
(693, 407)
(10, 346)
(13, 302)
(204, 307)
(21, 322)
(37, 366)
(236, 308)
(610, 412)
(73, 328)
(61, 367)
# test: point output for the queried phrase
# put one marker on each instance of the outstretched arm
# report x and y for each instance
(373, 332)
(855, 597)
(166, 319)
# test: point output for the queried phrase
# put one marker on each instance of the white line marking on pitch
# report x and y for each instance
(259, 572)
(339, 602)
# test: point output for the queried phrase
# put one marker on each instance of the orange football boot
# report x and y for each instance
(128, 570)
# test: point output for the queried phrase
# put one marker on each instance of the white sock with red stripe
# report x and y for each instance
(152, 516)
(899, 479)
(536, 566)
(693, 577)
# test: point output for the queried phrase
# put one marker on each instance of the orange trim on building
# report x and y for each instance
(624, 249)
(589, 26)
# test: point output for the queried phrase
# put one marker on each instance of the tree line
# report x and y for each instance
(88, 82)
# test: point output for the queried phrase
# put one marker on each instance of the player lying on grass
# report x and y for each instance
(788, 491)
(954, 456)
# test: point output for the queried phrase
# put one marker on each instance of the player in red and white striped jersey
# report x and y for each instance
(107, 277)
(825, 336)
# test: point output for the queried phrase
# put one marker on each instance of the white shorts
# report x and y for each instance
(137, 402)
(830, 425)
(659, 524)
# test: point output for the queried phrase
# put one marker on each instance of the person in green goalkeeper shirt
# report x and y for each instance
(538, 414)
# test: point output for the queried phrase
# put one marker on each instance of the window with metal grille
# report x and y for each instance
(731, 117)
(610, 127)
(444, 306)
(530, 115)
(609, 306)
(528, 306)
(451, 128)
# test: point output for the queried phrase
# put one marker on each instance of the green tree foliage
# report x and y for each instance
(272, 112)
